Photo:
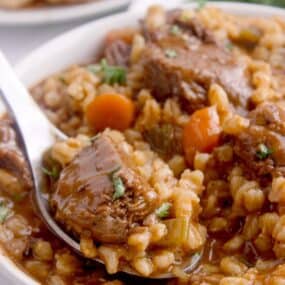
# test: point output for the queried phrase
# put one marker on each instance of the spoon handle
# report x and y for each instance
(37, 132)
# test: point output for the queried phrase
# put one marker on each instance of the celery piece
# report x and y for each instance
(177, 231)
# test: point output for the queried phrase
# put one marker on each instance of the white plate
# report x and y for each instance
(63, 13)
(80, 45)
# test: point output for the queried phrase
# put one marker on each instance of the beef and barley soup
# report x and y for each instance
(176, 148)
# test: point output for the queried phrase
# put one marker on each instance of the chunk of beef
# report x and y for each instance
(83, 199)
(195, 61)
(246, 148)
(270, 116)
(190, 30)
(165, 139)
(7, 134)
(193, 27)
(267, 129)
(11, 158)
(118, 53)
(190, 70)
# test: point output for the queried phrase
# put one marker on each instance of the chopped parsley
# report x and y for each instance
(111, 74)
(263, 151)
(53, 172)
(201, 4)
(4, 212)
(18, 197)
(163, 210)
(62, 80)
(229, 46)
(118, 184)
(175, 30)
(171, 53)
(94, 138)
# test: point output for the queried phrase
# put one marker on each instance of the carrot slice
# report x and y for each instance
(201, 133)
(110, 111)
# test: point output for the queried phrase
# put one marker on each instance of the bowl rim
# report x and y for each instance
(238, 8)
(22, 69)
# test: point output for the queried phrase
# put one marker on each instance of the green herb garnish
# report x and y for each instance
(201, 4)
(4, 212)
(53, 172)
(163, 210)
(94, 138)
(229, 46)
(95, 68)
(175, 30)
(263, 151)
(118, 184)
(62, 79)
(171, 53)
(111, 74)
(119, 187)
(18, 197)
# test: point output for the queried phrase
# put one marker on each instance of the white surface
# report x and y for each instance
(17, 41)
(56, 14)
(80, 45)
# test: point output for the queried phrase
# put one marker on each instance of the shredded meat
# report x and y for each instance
(196, 61)
(83, 199)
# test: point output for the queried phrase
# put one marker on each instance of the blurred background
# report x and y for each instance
(18, 40)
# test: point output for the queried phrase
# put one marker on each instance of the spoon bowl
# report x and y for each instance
(36, 136)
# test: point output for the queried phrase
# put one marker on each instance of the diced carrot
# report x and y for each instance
(110, 110)
(201, 133)
(125, 35)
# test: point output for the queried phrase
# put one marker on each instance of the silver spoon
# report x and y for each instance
(37, 135)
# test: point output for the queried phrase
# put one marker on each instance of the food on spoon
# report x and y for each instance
(104, 199)
(86, 197)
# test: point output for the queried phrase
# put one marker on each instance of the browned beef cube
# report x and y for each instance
(84, 196)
